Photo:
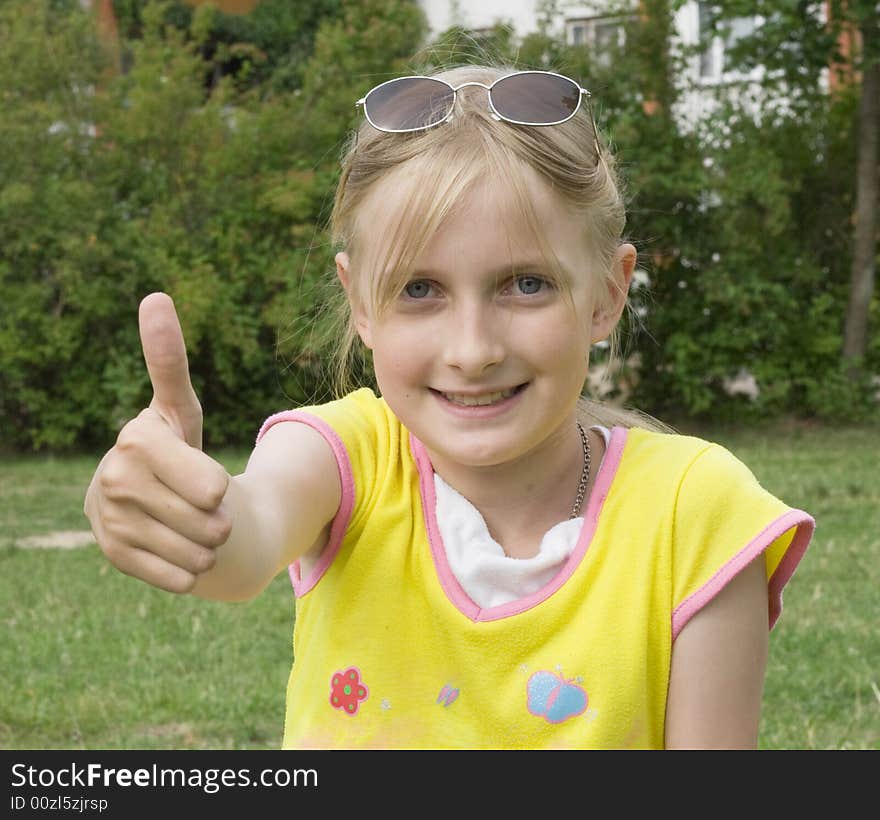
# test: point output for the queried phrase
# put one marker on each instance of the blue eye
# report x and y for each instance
(530, 285)
(418, 289)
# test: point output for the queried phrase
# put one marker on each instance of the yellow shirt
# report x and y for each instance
(389, 652)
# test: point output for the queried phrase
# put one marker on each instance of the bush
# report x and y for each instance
(114, 185)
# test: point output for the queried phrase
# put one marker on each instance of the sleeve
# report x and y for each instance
(353, 426)
(723, 520)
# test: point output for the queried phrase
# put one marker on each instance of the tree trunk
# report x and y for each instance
(862, 273)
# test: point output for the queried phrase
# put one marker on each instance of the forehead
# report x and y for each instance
(483, 227)
(490, 228)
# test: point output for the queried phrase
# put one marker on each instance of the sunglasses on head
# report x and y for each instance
(535, 98)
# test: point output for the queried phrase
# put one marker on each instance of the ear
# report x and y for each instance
(607, 315)
(358, 311)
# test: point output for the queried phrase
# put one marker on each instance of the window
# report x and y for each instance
(604, 35)
(712, 60)
(608, 34)
(739, 27)
(707, 55)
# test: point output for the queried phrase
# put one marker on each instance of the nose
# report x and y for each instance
(474, 340)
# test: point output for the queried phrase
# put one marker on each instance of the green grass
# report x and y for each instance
(823, 678)
(92, 659)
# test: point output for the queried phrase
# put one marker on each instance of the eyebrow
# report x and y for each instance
(522, 266)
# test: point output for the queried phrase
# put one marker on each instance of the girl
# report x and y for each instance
(481, 558)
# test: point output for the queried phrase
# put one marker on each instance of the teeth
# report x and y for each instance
(474, 401)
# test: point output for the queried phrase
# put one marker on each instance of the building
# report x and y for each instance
(597, 24)
(594, 24)
(590, 24)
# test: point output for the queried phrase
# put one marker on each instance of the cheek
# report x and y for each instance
(559, 339)
(400, 353)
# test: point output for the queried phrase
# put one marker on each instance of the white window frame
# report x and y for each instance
(590, 24)
(715, 52)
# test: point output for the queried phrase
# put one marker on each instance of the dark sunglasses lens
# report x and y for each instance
(540, 99)
(409, 103)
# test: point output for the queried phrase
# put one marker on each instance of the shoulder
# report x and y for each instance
(675, 456)
(359, 409)
(367, 440)
(698, 485)
(359, 428)
(708, 485)
(717, 516)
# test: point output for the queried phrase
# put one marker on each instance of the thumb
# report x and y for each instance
(165, 354)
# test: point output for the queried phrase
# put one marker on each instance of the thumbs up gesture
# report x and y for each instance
(174, 399)
(155, 502)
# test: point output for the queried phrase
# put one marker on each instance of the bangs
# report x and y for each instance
(426, 191)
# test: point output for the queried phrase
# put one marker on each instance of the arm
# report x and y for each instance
(718, 664)
(281, 507)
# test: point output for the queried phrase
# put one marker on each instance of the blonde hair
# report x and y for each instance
(435, 168)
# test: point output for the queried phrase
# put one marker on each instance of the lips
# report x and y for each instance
(480, 399)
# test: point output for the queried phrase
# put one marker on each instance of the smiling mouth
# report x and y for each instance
(480, 399)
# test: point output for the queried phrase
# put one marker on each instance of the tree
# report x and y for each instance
(113, 185)
(865, 237)
(798, 43)
(268, 46)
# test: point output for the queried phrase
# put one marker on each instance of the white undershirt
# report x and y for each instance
(478, 561)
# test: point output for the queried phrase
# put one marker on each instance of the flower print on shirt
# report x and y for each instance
(347, 691)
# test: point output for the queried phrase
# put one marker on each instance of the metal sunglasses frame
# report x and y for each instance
(496, 115)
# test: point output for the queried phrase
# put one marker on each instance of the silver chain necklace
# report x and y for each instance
(585, 474)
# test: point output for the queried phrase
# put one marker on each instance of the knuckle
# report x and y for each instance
(130, 437)
(114, 552)
(215, 489)
(110, 475)
(114, 478)
(180, 583)
(113, 487)
(205, 560)
(219, 529)
(114, 523)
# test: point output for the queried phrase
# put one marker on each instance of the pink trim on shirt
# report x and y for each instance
(346, 503)
(449, 582)
(794, 518)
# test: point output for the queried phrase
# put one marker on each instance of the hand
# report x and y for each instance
(155, 501)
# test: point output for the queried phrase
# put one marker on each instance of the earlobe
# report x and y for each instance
(362, 325)
(603, 324)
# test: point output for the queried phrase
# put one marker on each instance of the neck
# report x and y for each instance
(520, 500)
